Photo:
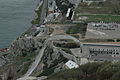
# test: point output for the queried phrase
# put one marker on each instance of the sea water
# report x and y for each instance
(15, 18)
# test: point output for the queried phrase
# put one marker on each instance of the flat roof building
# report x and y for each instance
(101, 52)
(70, 64)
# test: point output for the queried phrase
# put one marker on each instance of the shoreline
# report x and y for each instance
(5, 49)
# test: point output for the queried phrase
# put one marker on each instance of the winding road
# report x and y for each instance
(50, 38)
(41, 53)
(44, 11)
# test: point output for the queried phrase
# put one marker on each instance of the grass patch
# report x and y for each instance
(90, 71)
(19, 59)
(67, 50)
(108, 11)
(79, 28)
(107, 7)
(26, 67)
(47, 72)
(76, 36)
(38, 12)
(22, 63)
(104, 18)
(98, 40)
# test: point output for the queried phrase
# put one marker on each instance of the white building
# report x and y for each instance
(70, 64)
(68, 12)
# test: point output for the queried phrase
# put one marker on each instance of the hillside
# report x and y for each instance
(90, 71)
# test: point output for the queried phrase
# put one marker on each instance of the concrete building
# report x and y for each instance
(51, 6)
(70, 64)
(69, 14)
(101, 52)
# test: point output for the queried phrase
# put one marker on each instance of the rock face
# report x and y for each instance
(2, 62)
(19, 48)
(9, 74)
(54, 61)
(22, 45)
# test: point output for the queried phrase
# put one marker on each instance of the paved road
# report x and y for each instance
(35, 64)
(44, 11)
(40, 4)
(38, 58)
(41, 53)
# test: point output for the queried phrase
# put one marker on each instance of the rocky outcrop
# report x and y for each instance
(54, 61)
(9, 74)
(20, 48)
(23, 45)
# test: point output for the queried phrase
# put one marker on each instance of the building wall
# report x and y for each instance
(98, 52)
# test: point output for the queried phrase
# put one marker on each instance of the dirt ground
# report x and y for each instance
(59, 28)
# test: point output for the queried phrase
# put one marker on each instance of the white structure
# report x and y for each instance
(70, 64)
(68, 12)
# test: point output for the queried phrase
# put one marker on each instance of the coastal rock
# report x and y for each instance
(24, 45)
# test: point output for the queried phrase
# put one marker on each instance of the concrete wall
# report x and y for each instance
(98, 52)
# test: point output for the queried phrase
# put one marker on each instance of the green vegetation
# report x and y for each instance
(67, 45)
(107, 7)
(79, 28)
(90, 71)
(108, 11)
(47, 72)
(76, 35)
(23, 62)
(104, 18)
(37, 20)
(67, 50)
(98, 40)
(49, 69)
(25, 67)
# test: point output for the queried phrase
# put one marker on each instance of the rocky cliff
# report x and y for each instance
(53, 61)
(21, 54)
